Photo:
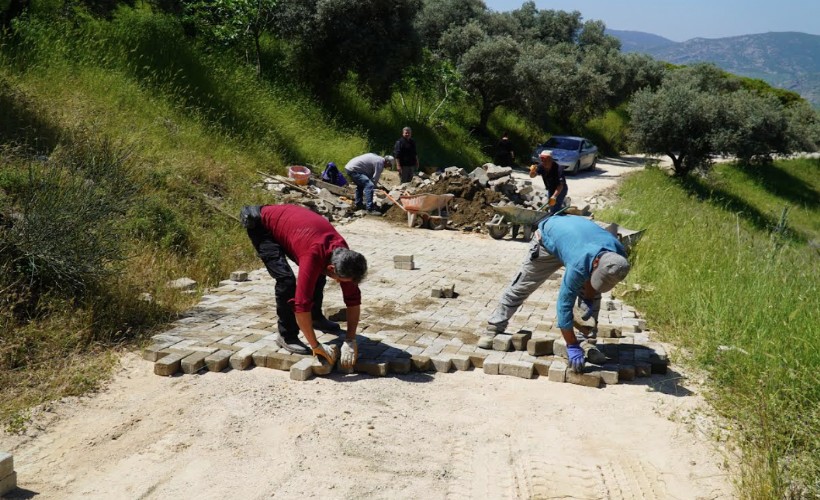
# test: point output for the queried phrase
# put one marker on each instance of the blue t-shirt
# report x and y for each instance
(576, 242)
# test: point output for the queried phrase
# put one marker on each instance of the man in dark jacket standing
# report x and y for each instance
(407, 160)
(553, 176)
(280, 232)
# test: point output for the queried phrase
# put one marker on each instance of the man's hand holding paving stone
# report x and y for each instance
(576, 357)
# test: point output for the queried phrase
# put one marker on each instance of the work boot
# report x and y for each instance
(292, 345)
(374, 213)
(325, 325)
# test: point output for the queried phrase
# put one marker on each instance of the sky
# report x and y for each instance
(681, 20)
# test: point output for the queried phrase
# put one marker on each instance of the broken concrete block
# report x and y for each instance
(218, 361)
(520, 339)
(461, 362)
(540, 346)
(194, 362)
(239, 276)
(449, 291)
(588, 379)
(303, 370)
(521, 369)
(169, 364)
(558, 371)
(6, 465)
(502, 342)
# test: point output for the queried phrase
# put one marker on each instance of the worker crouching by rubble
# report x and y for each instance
(365, 171)
(279, 232)
(594, 262)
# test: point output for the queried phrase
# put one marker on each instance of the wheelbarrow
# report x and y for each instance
(515, 218)
(426, 210)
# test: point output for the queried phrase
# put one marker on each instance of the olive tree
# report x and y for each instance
(488, 71)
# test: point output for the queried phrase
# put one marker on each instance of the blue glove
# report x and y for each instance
(576, 357)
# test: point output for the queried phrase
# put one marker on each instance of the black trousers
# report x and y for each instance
(275, 260)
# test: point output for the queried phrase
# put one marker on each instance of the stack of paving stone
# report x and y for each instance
(8, 478)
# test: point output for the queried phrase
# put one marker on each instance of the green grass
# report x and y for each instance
(721, 276)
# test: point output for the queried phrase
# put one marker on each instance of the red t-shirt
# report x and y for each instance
(308, 239)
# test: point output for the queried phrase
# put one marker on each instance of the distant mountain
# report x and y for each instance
(786, 60)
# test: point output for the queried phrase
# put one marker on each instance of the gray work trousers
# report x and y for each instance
(538, 265)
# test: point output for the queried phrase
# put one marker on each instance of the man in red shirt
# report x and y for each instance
(308, 239)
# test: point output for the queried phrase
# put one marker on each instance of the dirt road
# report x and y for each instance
(257, 434)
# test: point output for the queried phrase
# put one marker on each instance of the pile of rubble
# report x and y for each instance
(470, 210)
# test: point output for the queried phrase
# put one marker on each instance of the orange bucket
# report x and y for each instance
(299, 174)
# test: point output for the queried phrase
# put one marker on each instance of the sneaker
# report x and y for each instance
(375, 213)
(293, 346)
(325, 325)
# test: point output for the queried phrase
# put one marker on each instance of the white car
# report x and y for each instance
(572, 153)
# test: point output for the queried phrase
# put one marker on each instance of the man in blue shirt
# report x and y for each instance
(594, 262)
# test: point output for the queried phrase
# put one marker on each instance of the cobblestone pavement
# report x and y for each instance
(408, 321)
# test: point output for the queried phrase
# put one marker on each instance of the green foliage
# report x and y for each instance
(426, 88)
(62, 230)
(155, 220)
(721, 278)
(438, 16)
(488, 71)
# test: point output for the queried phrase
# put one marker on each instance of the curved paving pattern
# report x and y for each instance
(426, 318)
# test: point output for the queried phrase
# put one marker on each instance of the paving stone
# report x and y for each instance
(242, 360)
(449, 291)
(559, 347)
(502, 342)
(609, 374)
(6, 464)
(519, 341)
(626, 372)
(218, 361)
(320, 367)
(539, 346)
(521, 369)
(155, 352)
(643, 369)
(586, 378)
(400, 365)
(405, 266)
(303, 370)
(282, 361)
(8, 483)
(169, 364)
(461, 362)
(376, 369)
(542, 366)
(477, 357)
(558, 371)
(402, 258)
(492, 363)
(260, 356)
(421, 363)
(451, 349)
(239, 276)
(442, 363)
(194, 362)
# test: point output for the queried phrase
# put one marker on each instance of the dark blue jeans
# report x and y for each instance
(363, 184)
(559, 201)
(277, 265)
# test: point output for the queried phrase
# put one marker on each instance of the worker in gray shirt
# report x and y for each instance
(365, 171)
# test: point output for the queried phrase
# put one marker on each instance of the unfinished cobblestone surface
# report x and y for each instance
(402, 327)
